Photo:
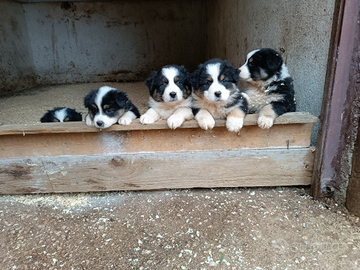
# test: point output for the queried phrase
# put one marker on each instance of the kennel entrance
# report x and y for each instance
(109, 42)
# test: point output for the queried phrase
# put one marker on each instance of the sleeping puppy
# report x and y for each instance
(108, 106)
(216, 95)
(170, 96)
(61, 114)
(270, 89)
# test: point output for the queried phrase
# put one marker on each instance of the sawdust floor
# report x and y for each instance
(238, 228)
(29, 106)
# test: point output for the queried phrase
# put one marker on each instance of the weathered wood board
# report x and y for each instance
(78, 139)
(80, 127)
(72, 157)
(146, 171)
(133, 141)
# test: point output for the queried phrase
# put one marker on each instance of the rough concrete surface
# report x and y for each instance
(29, 106)
(237, 228)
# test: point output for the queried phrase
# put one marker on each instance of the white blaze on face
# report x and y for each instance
(61, 115)
(101, 116)
(213, 70)
(244, 69)
(170, 73)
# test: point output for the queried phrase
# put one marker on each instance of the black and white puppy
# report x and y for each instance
(270, 89)
(108, 106)
(216, 95)
(61, 114)
(170, 96)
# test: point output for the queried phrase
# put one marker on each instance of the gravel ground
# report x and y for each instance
(29, 106)
(238, 228)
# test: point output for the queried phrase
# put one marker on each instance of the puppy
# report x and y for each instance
(270, 89)
(170, 96)
(61, 114)
(108, 106)
(217, 96)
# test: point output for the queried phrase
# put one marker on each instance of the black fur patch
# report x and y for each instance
(286, 89)
(157, 83)
(264, 64)
(70, 115)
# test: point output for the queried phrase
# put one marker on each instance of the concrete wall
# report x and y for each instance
(69, 42)
(17, 69)
(113, 41)
(300, 30)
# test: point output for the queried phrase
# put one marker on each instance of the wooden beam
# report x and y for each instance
(146, 171)
(80, 127)
(161, 140)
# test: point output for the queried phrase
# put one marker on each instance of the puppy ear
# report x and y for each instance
(78, 116)
(194, 78)
(235, 74)
(122, 100)
(46, 117)
(75, 116)
(274, 61)
(90, 98)
(187, 84)
(150, 81)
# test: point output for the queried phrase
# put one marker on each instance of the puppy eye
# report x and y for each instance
(224, 80)
(107, 111)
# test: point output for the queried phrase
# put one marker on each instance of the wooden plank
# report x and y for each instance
(23, 176)
(80, 127)
(166, 140)
(146, 171)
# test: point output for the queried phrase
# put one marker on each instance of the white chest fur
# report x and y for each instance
(166, 109)
(216, 108)
(258, 98)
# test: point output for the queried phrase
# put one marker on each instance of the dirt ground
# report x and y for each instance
(33, 103)
(237, 228)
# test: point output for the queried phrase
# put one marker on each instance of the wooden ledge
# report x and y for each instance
(81, 127)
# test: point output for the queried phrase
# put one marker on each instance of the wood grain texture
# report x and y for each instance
(165, 140)
(147, 171)
(80, 127)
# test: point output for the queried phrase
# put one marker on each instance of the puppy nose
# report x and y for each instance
(218, 93)
(100, 123)
(172, 94)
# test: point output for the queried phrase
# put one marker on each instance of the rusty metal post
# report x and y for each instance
(353, 191)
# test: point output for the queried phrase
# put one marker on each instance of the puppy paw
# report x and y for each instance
(175, 121)
(265, 122)
(206, 123)
(89, 122)
(234, 124)
(146, 119)
(125, 121)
